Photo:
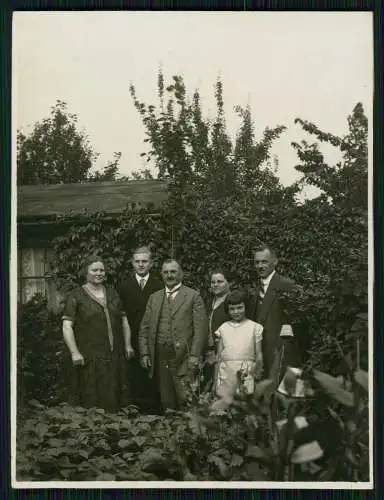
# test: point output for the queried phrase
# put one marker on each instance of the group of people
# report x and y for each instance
(142, 342)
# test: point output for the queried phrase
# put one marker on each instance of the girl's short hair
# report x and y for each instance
(238, 296)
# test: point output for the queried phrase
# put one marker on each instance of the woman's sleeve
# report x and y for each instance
(117, 302)
(70, 308)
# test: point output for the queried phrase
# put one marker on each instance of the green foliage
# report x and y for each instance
(204, 233)
(347, 182)
(57, 152)
(120, 446)
(39, 352)
(110, 171)
(194, 150)
(240, 442)
(208, 441)
(224, 198)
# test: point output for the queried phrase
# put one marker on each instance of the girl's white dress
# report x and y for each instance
(238, 353)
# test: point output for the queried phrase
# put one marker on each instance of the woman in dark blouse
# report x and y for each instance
(221, 281)
(97, 334)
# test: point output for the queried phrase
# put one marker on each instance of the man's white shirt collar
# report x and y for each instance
(266, 281)
(174, 290)
(139, 278)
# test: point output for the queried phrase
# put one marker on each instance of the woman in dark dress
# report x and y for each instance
(97, 334)
(221, 281)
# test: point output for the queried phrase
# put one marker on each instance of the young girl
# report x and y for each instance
(239, 349)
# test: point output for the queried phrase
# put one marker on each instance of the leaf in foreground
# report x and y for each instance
(220, 464)
(361, 378)
(151, 459)
(333, 388)
(106, 477)
(254, 451)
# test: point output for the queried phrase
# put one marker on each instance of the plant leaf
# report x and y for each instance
(254, 451)
(220, 464)
(263, 388)
(151, 459)
(124, 443)
(236, 461)
(361, 378)
(139, 440)
(333, 388)
(106, 476)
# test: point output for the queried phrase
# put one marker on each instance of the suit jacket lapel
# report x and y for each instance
(149, 282)
(150, 286)
(178, 300)
(157, 305)
(269, 297)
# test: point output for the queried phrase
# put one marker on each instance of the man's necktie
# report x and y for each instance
(261, 291)
(142, 283)
(172, 293)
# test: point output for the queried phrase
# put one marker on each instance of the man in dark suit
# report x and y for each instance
(134, 292)
(269, 308)
(173, 334)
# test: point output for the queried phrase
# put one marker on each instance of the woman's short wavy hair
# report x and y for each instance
(228, 275)
(91, 259)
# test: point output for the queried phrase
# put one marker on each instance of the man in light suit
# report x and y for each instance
(267, 308)
(173, 334)
(135, 291)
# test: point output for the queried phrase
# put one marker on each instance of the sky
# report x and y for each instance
(312, 65)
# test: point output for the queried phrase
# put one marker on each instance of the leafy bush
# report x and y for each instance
(224, 199)
(321, 246)
(40, 350)
(242, 442)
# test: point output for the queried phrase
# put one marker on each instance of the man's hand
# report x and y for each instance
(77, 359)
(193, 362)
(129, 352)
(146, 362)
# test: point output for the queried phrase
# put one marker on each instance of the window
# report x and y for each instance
(34, 276)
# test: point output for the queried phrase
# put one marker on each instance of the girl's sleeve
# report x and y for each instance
(70, 308)
(258, 332)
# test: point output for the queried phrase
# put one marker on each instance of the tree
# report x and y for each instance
(56, 152)
(346, 183)
(252, 159)
(110, 171)
(321, 245)
(192, 150)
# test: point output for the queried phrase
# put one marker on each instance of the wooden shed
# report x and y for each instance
(38, 207)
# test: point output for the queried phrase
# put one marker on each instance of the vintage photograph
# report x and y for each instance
(192, 263)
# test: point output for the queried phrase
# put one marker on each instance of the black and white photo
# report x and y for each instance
(191, 269)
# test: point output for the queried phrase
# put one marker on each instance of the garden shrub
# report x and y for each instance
(40, 351)
(321, 246)
(223, 200)
(234, 444)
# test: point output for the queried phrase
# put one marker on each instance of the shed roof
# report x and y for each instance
(50, 200)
